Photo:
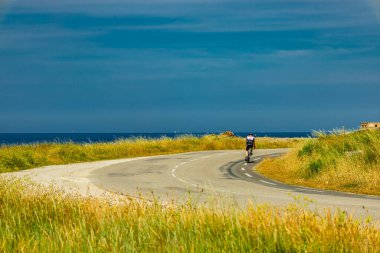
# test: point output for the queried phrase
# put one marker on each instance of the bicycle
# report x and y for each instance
(248, 155)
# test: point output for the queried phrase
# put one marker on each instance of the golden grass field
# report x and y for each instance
(13, 158)
(341, 161)
(35, 220)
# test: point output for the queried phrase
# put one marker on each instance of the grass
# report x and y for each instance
(340, 161)
(14, 158)
(50, 222)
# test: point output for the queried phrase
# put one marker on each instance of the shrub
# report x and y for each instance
(315, 167)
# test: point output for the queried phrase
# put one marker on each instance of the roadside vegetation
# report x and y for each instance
(46, 221)
(14, 158)
(340, 161)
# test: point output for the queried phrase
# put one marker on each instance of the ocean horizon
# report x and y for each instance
(31, 138)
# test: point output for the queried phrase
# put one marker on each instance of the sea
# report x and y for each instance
(32, 138)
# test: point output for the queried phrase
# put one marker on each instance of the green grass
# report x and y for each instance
(340, 161)
(48, 222)
(14, 158)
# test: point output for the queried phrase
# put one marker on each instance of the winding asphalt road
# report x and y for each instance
(215, 175)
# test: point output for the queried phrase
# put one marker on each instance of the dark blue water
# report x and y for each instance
(17, 138)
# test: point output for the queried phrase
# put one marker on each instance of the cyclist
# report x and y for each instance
(250, 143)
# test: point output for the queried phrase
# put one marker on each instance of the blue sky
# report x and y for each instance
(191, 65)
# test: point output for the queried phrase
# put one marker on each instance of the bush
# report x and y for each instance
(315, 167)
(306, 150)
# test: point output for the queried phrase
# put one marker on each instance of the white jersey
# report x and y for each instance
(250, 140)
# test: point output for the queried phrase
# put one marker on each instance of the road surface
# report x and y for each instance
(220, 174)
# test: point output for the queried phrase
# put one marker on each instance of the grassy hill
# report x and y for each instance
(341, 161)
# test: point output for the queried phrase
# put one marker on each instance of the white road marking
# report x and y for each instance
(242, 168)
(180, 165)
(257, 159)
(306, 189)
(248, 175)
(263, 181)
(246, 164)
(192, 184)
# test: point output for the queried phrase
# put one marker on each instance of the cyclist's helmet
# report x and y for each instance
(250, 134)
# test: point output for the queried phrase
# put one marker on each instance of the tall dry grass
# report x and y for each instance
(339, 161)
(13, 158)
(49, 222)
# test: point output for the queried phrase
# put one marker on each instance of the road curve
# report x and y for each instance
(212, 174)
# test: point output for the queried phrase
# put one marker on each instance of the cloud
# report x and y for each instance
(217, 15)
(375, 7)
(4, 7)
